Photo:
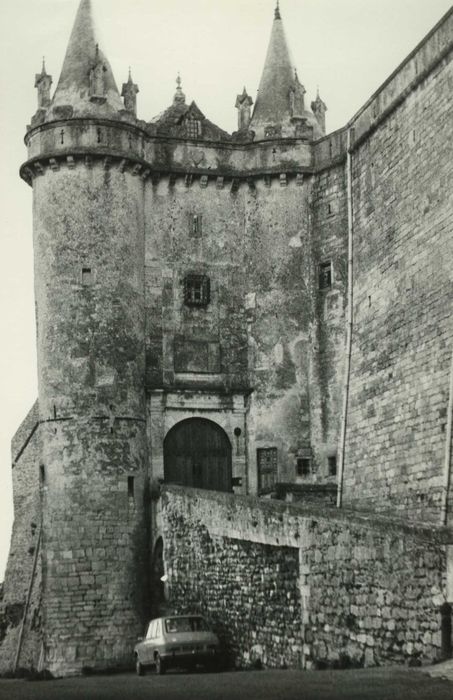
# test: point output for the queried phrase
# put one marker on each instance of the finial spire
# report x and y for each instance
(179, 95)
(43, 70)
(319, 109)
(129, 94)
(277, 10)
(243, 105)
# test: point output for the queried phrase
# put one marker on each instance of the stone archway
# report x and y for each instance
(197, 453)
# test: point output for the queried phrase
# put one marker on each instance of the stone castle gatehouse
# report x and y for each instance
(244, 317)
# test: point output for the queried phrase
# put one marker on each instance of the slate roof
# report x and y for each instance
(272, 102)
(279, 78)
(81, 55)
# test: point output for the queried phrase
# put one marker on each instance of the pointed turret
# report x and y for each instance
(43, 83)
(319, 110)
(179, 97)
(279, 107)
(86, 82)
(129, 94)
(243, 105)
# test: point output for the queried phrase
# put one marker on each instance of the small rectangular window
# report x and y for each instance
(303, 466)
(195, 221)
(42, 474)
(325, 275)
(197, 290)
(87, 276)
(130, 486)
(332, 465)
(267, 469)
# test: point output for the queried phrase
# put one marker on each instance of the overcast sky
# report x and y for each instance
(347, 47)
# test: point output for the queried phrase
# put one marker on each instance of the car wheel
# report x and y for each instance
(140, 669)
(160, 665)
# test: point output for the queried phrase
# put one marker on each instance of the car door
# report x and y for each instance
(148, 646)
(159, 641)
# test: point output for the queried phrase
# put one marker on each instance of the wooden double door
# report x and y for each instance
(197, 453)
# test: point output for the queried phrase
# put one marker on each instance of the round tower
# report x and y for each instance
(84, 165)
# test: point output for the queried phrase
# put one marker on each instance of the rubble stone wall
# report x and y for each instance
(302, 586)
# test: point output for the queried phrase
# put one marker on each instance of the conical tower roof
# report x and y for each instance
(279, 89)
(272, 102)
(79, 84)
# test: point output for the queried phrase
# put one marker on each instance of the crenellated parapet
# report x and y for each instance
(65, 143)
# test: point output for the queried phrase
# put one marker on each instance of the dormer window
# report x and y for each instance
(197, 290)
(97, 79)
(272, 131)
(193, 127)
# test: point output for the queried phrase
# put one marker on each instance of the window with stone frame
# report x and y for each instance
(303, 466)
(87, 277)
(325, 275)
(197, 290)
(267, 460)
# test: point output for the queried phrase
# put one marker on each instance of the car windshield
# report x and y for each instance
(185, 624)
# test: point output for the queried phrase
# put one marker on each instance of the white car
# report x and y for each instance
(182, 641)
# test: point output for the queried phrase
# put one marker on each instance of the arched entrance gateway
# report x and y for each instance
(197, 452)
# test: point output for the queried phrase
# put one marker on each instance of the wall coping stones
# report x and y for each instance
(269, 508)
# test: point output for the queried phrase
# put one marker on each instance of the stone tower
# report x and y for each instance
(89, 287)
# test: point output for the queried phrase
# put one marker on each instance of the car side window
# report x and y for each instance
(151, 630)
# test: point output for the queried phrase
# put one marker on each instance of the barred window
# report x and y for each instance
(197, 290)
(267, 469)
(195, 224)
(193, 128)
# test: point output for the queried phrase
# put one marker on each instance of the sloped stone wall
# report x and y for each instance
(24, 543)
(403, 294)
(301, 586)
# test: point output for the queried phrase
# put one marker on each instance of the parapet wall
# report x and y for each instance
(302, 586)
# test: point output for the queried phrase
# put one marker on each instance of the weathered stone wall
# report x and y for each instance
(329, 235)
(403, 296)
(301, 586)
(266, 313)
(89, 250)
(24, 544)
